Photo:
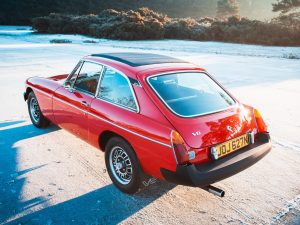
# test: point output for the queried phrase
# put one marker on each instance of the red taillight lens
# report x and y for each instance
(261, 125)
(182, 154)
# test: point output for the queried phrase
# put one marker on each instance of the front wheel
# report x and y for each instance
(35, 113)
(122, 165)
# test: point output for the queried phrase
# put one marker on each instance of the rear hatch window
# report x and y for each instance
(190, 94)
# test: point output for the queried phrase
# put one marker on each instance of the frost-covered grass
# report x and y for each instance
(11, 34)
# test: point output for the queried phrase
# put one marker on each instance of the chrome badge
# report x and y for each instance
(214, 153)
(229, 128)
(197, 133)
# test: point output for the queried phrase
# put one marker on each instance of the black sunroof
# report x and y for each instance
(139, 59)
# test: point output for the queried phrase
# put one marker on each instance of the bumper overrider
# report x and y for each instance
(208, 173)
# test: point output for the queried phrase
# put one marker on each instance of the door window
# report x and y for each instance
(115, 88)
(88, 78)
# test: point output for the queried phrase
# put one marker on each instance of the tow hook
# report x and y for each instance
(214, 190)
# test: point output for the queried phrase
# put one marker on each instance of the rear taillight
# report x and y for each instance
(182, 154)
(261, 125)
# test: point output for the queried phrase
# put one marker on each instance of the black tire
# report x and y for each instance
(37, 118)
(114, 146)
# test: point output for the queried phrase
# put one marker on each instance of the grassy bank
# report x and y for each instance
(144, 24)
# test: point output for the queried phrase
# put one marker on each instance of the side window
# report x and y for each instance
(115, 88)
(88, 78)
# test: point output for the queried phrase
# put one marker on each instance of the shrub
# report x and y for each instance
(186, 28)
(41, 24)
(144, 23)
(291, 56)
(60, 41)
(90, 41)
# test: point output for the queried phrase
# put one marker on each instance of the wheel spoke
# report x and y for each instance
(121, 165)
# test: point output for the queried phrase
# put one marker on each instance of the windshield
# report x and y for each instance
(190, 94)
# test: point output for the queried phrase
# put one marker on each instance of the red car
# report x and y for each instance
(152, 115)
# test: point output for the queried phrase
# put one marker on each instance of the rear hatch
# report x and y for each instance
(200, 109)
(209, 130)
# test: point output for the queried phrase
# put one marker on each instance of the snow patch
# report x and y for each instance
(289, 206)
(10, 46)
(286, 144)
(26, 34)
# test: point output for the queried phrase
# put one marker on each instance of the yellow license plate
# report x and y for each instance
(232, 145)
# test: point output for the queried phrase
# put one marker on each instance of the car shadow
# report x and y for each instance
(12, 179)
(9, 123)
(106, 205)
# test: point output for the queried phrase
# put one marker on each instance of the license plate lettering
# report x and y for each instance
(246, 139)
(232, 145)
(238, 143)
(223, 149)
(228, 147)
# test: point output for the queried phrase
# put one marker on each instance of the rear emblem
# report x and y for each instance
(229, 128)
(197, 133)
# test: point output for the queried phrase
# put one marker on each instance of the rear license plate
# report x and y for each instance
(232, 145)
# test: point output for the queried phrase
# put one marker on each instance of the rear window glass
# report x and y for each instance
(190, 94)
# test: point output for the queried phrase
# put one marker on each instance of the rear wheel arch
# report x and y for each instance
(106, 135)
(108, 141)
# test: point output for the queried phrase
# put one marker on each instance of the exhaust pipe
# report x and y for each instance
(214, 190)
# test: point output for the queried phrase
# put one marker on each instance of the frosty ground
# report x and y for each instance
(51, 177)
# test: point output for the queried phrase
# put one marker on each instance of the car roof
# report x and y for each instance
(141, 64)
(136, 59)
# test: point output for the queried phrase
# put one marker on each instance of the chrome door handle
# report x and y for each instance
(84, 103)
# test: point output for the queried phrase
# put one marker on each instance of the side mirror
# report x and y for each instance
(68, 86)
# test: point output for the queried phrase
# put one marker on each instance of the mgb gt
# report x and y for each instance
(152, 116)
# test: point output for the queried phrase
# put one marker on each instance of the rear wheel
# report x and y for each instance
(123, 166)
(35, 113)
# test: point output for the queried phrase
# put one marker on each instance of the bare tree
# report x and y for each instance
(285, 6)
(227, 8)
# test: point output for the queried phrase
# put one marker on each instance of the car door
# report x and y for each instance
(71, 101)
(115, 103)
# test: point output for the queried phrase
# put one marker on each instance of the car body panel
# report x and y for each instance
(202, 132)
(44, 89)
(69, 112)
(148, 131)
(151, 142)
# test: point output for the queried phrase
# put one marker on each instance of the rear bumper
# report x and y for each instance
(208, 173)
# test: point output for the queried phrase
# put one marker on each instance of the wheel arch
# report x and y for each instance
(28, 90)
(106, 135)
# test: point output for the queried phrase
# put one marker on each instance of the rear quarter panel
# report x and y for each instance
(211, 128)
(148, 131)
